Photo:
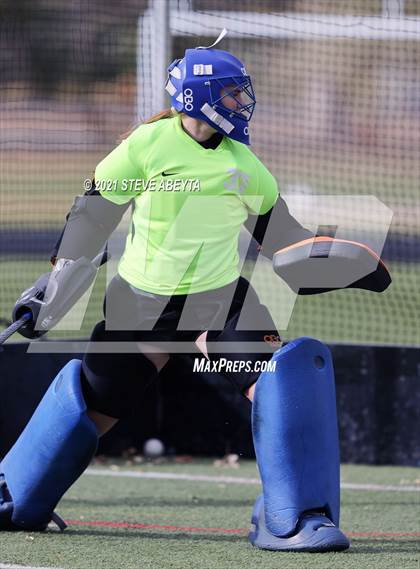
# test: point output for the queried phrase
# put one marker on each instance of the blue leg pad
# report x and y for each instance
(51, 453)
(295, 432)
(315, 533)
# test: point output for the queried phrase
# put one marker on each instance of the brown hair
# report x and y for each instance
(165, 114)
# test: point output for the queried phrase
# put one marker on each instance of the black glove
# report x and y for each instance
(31, 300)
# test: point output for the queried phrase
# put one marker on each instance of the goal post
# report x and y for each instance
(166, 20)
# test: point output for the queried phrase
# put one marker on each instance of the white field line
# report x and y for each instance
(6, 566)
(234, 480)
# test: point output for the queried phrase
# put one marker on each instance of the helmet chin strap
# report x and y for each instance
(219, 39)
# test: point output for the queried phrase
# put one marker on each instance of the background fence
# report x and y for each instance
(202, 414)
(338, 113)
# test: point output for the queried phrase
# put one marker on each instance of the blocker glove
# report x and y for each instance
(313, 264)
(322, 264)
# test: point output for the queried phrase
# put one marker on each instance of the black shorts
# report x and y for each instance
(136, 316)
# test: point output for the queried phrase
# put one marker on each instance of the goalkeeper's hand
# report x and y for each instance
(50, 298)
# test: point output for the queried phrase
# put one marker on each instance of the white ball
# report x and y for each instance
(153, 448)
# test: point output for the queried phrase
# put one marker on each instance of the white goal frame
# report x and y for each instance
(166, 19)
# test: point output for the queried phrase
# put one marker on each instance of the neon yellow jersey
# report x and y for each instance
(190, 203)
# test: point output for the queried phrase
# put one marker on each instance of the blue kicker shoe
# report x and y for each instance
(315, 534)
(6, 512)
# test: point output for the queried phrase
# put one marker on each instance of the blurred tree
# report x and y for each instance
(46, 42)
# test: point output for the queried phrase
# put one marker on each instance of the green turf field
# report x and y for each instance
(341, 316)
(122, 522)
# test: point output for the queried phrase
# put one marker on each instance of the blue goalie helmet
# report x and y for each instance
(213, 85)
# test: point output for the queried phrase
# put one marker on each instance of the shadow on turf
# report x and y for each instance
(388, 503)
(161, 503)
(178, 536)
(372, 546)
(381, 546)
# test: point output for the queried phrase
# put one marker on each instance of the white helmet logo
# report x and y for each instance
(188, 100)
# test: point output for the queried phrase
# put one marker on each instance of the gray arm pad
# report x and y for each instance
(91, 221)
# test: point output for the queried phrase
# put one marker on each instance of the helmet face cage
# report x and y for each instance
(227, 87)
